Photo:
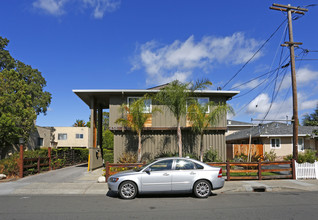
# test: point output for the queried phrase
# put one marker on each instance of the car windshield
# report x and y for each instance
(137, 169)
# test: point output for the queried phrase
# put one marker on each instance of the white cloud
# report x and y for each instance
(53, 7)
(304, 76)
(179, 59)
(57, 7)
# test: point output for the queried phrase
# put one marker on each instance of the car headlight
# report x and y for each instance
(113, 179)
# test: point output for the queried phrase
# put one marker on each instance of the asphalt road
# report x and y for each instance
(278, 205)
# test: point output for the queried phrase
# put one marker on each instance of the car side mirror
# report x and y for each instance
(147, 170)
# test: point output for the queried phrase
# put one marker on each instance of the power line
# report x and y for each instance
(254, 54)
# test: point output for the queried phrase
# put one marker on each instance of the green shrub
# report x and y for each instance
(128, 157)
(308, 156)
(271, 156)
(10, 165)
(211, 156)
(108, 155)
(166, 154)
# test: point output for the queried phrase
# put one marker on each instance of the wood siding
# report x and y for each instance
(156, 142)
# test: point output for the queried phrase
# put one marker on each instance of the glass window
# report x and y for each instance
(79, 136)
(161, 165)
(62, 136)
(40, 142)
(202, 102)
(200, 167)
(275, 143)
(301, 146)
(148, 106)
(184, 165)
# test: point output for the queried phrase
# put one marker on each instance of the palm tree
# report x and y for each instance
(175, 96)
(79, 123)
(135, 118)
(204, 116)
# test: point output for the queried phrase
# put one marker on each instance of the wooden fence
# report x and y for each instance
(37, 163)
(233, 170)
(248, 149)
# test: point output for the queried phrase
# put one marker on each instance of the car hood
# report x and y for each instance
(125, 173)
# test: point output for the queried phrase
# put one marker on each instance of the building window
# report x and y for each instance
(148, 105)
(79, 136)
(202, 101)
(62, 136)
(275, 143)
(40, 142)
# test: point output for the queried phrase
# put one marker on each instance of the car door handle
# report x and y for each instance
(166, 174)
(192, 173)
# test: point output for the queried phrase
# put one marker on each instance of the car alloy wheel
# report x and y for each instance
(128, 190)
(202, 189)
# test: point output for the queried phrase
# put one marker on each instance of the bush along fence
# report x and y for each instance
(306, 170)
(55, 159)
(233, 170)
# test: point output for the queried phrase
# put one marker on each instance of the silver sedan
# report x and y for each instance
(167, 175)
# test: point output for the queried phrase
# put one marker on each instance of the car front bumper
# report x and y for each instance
(113, 186)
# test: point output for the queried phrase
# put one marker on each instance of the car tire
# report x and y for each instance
(128, 190)
(202, 189)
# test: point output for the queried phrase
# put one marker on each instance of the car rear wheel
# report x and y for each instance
(128, 190)
(202, 189)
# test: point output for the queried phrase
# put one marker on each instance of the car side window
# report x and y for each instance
(162, 165)
(184, 165)
(200, 167)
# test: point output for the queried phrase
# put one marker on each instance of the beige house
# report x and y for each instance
(235, 126)
(277, 137)
(71, 136)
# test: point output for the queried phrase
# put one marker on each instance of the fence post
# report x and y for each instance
(259, 170)
(107, 171)
(316, 169)
(293, 168)
(228, 170)
(21, 162)
(39, 164)
(49, 156)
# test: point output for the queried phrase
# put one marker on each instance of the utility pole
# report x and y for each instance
(291, 44)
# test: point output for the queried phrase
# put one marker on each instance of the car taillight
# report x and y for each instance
(220, 173)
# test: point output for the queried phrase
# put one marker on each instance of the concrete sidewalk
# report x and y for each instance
(86, 184)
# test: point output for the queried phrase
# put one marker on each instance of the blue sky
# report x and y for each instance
(137, 44)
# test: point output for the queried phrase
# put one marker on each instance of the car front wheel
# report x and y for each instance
(202, 189)
(128, 190)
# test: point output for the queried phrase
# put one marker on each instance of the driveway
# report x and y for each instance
(70, 180)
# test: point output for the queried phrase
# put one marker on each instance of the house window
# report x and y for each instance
(202, 101)
(301, 146)
(148, 105)
(275, 143)
(40, 142)
(79, 136)
(62, 136)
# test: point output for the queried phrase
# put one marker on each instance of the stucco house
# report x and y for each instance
(277, 137)
(159, 134)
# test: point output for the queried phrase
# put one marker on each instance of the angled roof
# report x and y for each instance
(102, 96)
(233, 123)
(273, 129)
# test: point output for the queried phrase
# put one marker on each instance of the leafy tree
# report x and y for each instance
(204, 116)
(22, 97)
(135, 118)
(175, 96)
(312, 119)
(79, 123)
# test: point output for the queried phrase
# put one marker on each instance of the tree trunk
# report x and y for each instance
(139, 147)
(179, 138)
(201, 147)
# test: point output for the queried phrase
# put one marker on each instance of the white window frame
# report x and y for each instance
(58, 136)
(280, 143)
(303, 144)
(148, 109)
(79, 136)
(197, 98)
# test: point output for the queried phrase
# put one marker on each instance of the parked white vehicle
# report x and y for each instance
(168, 175)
